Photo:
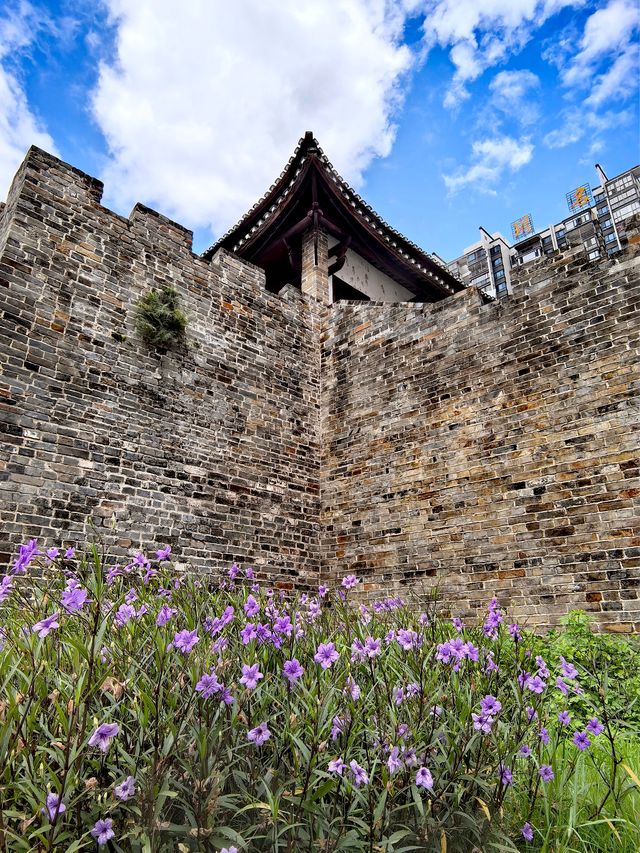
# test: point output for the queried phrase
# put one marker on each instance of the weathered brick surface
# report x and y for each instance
(213, 449)
(491, 448)
(483, 448)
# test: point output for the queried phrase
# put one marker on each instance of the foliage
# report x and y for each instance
(144, 710)
(613, 659)
(159, 320)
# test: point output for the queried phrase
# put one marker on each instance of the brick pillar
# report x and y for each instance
(315, 265)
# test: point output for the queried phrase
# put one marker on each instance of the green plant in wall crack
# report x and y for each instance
(159, 320)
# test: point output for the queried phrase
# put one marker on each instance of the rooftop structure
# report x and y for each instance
(310, 212)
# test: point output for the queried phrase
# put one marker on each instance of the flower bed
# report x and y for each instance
(148, 711)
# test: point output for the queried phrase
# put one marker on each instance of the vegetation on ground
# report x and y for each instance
(146, 710)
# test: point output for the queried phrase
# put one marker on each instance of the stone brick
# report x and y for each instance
(475, 448)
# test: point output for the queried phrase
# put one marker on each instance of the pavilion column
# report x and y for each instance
(315, 264)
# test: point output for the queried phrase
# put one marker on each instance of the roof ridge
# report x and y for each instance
(381, 225)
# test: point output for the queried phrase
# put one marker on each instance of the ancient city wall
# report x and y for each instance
(491, 448)
(481, 448)
(213, 450)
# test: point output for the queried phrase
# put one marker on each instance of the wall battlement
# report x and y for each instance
(486, 448)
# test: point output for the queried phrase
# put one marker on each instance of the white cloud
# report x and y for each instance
(619, 81)
(19, 128)
(205, 100)
(493, 157)
(482, 34)
(579, 122)
(608, 31)
(514, 93)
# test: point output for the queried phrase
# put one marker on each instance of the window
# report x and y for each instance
(500, 275)
(501, 288)
(594, 255)
(609, 238)
(627, 210)
(606, 223)
(495, 250)
(603, 209)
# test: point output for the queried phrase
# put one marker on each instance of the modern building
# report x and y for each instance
(597, 221)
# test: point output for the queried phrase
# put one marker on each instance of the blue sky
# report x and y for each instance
(444, 114)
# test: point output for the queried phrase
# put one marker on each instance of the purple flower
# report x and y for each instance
(562, 687)
(103, 735)
(352, 688)
(251, 675)
(25, 556)
(282, 625)
(326, 655)
(482, 723)
(185, 640)
(5, 588)
(70, 553)
(74, 598)
(514, 632)
(226, 697)
(372, 647)
(506, 776)
(531, 713)
(251, 607)
(393, 762)
(234, 572)
(125, 790)
(323, 590)
(164, 553)
(259, 735)
(458, 624)
(292, 671)
(248, 633)
(581, 740)
(535, 684)
(424, 779)
(359, 775)
(543, 734)
(349, 582)
(595, 726)
(232, 849)
(43, 627)
(249, 573)
(564, 717)
(102, 831)
(54, 805)
(208, 685)
(490, 706)
(525, 750)
(406, 639)
(124, 614)
(164, 615)
(53, 554)
(546, 773)
(543, 671)
(527, 832)
(336, 765)
(568, 669)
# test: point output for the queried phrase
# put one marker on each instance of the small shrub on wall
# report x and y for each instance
(159, 320)
(144, 710)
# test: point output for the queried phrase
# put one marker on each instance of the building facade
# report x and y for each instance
(597, 223)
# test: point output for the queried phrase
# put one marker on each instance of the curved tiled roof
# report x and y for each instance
(265, 208)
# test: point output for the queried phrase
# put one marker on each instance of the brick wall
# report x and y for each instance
(481, 448)
(213, 449)
(491, 448)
